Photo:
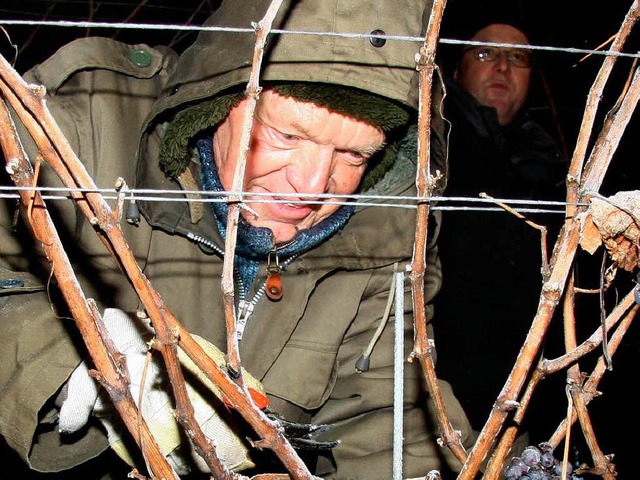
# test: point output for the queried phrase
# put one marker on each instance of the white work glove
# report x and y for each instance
(84, 398)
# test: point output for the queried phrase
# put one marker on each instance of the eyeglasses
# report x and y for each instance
(517, 57)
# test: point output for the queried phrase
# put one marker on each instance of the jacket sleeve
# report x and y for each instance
(37, 356)
(97, 90)
(361, 404)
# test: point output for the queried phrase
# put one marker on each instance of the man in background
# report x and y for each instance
(491, 259)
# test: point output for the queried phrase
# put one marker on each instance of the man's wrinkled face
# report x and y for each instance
(498, 83)
(296, 148)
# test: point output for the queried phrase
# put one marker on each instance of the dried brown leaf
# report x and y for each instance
(614, 221)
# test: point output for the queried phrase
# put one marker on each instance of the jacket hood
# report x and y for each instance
(356, 58)
(384, 67)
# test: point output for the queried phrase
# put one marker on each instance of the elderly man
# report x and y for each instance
(334, 119)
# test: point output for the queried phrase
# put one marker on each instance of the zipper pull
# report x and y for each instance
(274, 282)
(246, 309)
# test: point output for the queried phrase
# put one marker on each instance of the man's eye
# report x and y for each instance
(289, 137)
(485, 53)
(520, 56)
(355, 157)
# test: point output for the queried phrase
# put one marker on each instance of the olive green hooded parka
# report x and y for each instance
(114, 102)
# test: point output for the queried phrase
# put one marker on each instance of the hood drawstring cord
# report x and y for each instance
(362, 365)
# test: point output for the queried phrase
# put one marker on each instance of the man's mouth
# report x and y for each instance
(287, 202)
(293, 208)
(498, 85)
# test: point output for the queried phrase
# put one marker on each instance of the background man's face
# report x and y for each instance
(497, 83)
(296, 148)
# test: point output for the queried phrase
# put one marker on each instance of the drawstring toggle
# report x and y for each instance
(274, 281)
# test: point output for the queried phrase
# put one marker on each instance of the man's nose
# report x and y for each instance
(502, 63)
(310, 173)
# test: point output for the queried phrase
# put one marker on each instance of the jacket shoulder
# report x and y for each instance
(100, 53)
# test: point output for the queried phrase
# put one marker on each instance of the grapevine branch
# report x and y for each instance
(252, 91)
(89, 322)
(425, 183)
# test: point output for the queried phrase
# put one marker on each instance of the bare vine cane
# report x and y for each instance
(235, 201)
(425, 183)
(103, 353)
(567, 243)
(29, 105)
(620, 319)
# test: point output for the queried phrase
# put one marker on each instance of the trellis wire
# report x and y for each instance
(200, 28)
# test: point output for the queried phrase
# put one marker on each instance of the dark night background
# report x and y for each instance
(558, 99)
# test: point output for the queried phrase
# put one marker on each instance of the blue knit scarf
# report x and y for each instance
(255, 243)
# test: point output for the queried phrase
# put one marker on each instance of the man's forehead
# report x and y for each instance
(318, 123)
(501, 33)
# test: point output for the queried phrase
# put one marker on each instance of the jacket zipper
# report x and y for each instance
(246, 307)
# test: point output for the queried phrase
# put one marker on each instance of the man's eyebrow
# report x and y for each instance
(370, 150)
(300, 128)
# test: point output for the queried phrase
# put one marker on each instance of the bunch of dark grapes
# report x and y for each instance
(537, 463)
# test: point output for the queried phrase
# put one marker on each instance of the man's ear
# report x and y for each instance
(455, 74)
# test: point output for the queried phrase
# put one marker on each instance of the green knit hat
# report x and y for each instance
(373, 109)
(384, 113)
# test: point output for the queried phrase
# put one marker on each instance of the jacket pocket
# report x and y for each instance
(312, 374)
